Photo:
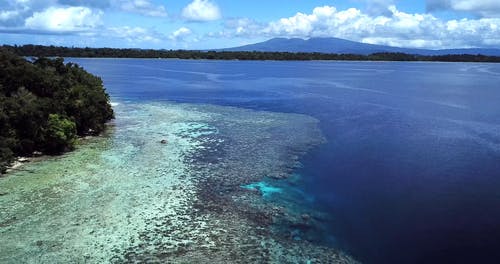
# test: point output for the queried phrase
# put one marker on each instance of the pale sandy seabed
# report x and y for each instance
(126, 197)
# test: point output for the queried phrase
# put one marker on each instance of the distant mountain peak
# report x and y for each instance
(337, 45)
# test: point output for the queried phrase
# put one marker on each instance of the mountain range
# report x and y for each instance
(343, 46)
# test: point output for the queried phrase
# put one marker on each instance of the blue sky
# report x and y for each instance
(206, 24)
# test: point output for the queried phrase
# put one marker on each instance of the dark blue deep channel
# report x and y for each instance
(411, 169)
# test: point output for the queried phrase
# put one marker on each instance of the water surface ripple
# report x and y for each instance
(129, 197)
(408, 173)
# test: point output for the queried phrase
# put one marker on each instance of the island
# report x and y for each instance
(45, 105)
(53, 51)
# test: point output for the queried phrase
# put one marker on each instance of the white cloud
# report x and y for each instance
(13, 13)
(8, 15)
(201, 10)
(101, 4)
(242, 27)
(485, 8)
(64, 19)
(180, 34)
(144, 7)
(396, 29)
(378, 7)
(134, 34)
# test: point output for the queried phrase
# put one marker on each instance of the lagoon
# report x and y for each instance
(388, 162)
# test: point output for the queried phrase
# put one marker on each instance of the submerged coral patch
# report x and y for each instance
(264, 188)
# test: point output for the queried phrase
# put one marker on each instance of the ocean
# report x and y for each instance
(391, 162)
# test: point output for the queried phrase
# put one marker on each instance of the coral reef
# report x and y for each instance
(127, 197)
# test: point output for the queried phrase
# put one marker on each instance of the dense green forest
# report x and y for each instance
(52, 51)
(45, 105)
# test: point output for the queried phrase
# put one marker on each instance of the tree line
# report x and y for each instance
(45, 105)
(53, 51)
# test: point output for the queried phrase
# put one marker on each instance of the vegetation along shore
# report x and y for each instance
(45, 105)
(53, 51)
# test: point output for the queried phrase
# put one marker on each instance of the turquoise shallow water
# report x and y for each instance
(127, 197)
(264, 188)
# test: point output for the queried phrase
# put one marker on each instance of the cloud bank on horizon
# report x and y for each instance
(203, 24)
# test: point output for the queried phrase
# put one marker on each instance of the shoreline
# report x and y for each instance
(247, 55)
(17, 163)
(37, 156)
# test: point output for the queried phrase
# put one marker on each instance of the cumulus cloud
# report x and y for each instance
(396, 29)
(180, 34)
(13, 13)
(74, 17)
(201, 10)
(134, 35)
(241, 27)
(144, 7)
(64, 19)
(378, 7)
(8, 15)
(101, 4)
(485, 8)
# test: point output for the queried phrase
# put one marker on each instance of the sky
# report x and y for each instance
(210, 24)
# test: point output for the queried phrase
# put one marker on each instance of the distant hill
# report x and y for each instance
(347, 54)
(342, 46)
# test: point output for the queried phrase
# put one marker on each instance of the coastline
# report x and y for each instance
(246, 55)
(18, 163)
(21, 161)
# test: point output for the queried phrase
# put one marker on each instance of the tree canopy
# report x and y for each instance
(53, 51)
(45, 104)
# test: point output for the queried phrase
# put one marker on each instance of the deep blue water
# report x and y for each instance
(411, 169)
